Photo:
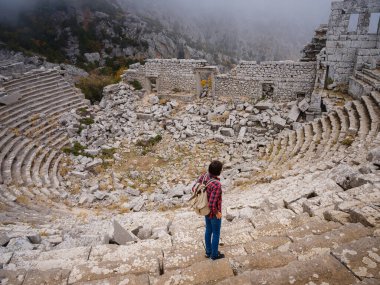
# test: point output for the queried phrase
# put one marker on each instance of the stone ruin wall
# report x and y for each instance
(288, 79)
(349, 50)
(170, 74)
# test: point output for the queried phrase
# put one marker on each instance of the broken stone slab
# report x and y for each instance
(374, 155)
(4, 239)
(92, 151)
(5, 257)
(80, 174)
(96, 162)
(337, 216)
(294, 113)
(227, 132)
(367, 215)
(242, 133)
(361, 257)
(19, 244)
(122, 236)
(323, 269)
(264, 105)
(278, 122)
(51, 276)
(315, 103)
(263, 260)
(303, 105)
(204, 272)
(346, 177)
(133, 192)
(220, 109)
(34, 238)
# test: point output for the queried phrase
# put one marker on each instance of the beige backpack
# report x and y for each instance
(199, 201)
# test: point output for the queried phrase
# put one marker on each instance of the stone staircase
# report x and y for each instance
(364, 82)
(278, 247)
(30, 140)
(344, 134)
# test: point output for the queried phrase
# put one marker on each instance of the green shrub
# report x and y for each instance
(347, 141)
(92, 86)
(86, 121)
(147, 145)
(136, 84)
(108, 153)
(76, 149)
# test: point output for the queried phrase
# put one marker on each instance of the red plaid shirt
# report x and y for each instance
(214, 193)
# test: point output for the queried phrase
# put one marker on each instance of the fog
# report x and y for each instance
(241, 26)
(244, 29)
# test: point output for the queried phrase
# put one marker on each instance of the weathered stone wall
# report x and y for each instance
(342, 45)
(170, 74)
(288, 78)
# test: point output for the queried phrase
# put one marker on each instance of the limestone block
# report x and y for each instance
(122, 236)
(199, 273)
(265, 243)
(228, 132)
(264, 105)
(374, 155)
(366, 215)
(303, 105)
(319, 270)
(294, 113)
(278, 122)
(4, 239)
(346, 177)
(242, 132)
(362, 256)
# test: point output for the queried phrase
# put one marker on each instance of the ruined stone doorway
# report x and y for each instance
(152, 84)
(205, 81)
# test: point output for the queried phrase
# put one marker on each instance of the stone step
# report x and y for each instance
(53, 174)
(374, 114)
(358, 87)
(361, 257)
(204, 272)
(4, 152)
(373, 73)
(323, 269)
(42, 109)
(353, 119)
(33, 130)
(26, 79)
(344, 122)
(26, 169)
(308, 132)
(21, 161)
(311, 245)
(368, 79)
(30, 105)
(36, 176)
(364, 124)
(26, 90)
(37, 86)
(46, 166)
(376, 97)
(9, 162)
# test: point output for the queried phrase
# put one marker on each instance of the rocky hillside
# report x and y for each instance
(90, 34)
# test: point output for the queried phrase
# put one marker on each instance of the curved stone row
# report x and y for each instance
(332, 137)
(270, 249)
(30, 141)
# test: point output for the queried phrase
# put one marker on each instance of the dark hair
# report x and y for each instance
(215, 167)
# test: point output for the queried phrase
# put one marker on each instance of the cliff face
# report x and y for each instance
(92, 33)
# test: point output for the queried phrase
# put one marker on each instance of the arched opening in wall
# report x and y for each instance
(152, 84)
(374, 24)
(267, 90)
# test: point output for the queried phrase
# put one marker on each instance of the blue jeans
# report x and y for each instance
(212, 235)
